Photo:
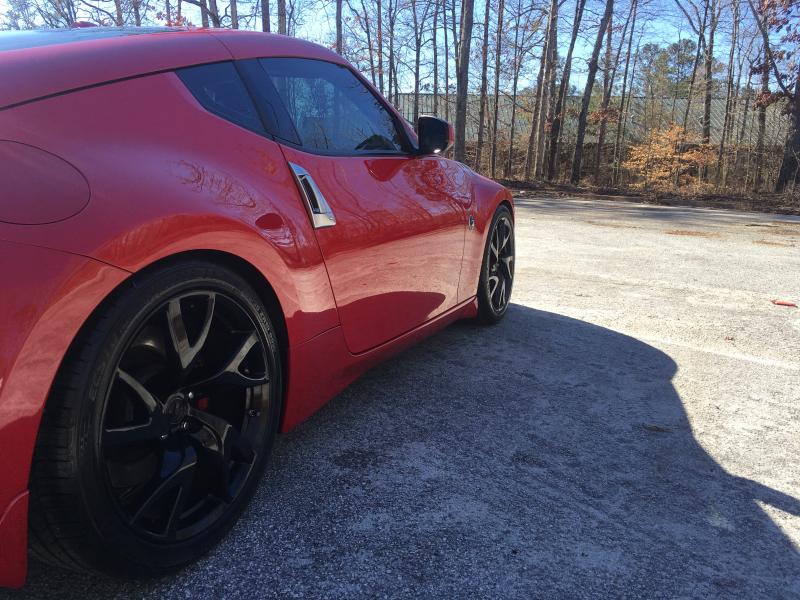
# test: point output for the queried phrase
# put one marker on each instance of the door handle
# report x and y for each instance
(321, 213)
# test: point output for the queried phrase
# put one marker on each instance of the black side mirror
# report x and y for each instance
(435, 135)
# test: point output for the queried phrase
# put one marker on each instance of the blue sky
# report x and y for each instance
(658, 22)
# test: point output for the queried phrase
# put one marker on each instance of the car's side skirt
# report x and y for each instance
(322, 367)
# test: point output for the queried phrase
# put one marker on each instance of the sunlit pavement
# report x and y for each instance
(630, 430)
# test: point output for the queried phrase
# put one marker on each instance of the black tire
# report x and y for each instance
(83, 512)
(497, 270)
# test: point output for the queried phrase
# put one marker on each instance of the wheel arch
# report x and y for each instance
(245, 269)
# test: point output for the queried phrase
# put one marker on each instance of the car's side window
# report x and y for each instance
(332, 111)
(220, 90)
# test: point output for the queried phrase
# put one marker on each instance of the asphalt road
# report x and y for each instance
(630, 430)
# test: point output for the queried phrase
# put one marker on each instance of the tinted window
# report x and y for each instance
(330, 108)
(219, 89)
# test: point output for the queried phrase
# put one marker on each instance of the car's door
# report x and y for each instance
(390, 224)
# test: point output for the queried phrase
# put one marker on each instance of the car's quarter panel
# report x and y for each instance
(487, 196)
(47, 296)
(394, 254)
(167, 177)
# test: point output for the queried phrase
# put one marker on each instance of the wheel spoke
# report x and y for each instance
(225, 438)
(494, 281)
(173, 479)
(122, 436)
(507, 266)
(185, 350)
(153, 406)
(231, 373)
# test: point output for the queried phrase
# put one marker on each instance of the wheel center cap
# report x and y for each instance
(176, 408)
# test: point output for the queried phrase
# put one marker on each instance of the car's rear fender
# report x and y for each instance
(47, 296)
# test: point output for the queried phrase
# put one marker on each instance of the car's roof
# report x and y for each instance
(32, 38)
(42, 63)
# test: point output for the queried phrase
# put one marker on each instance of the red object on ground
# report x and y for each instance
(784, 303)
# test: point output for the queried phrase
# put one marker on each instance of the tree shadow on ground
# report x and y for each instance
(544, 457)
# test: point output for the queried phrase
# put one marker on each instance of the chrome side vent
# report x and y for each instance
(321, 213)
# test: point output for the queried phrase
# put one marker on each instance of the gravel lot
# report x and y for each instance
(630, 430)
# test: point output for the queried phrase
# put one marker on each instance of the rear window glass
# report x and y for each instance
(221, 91)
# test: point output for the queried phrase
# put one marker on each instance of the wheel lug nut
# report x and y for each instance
(253, 412)
(165, 436)
(185, 425)
(190, 395)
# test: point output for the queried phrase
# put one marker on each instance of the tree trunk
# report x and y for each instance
(168, 11)
(446, 64)
(119, 19)
(728, 94)
(607, 83)
(435, 59)
(204, 12)
(498, 50)
(281, 16)
(234, 15)
(467, 10)
(548, 83)
(617, 139)
(789, 174)
(370, 47)
(627, 108)
(700, 44)
(563, 90)
(484, 101)
(577, 159)
(709, 74)
(758, 181)
(515, 81)
(339, 26)
(213, 13)
(265, 24)
(380, 45)
(529, 155)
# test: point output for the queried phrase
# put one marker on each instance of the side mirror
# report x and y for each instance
(435, 135)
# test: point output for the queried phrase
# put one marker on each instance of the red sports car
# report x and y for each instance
(204, 236)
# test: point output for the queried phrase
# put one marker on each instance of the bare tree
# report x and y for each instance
(785, 17)
(497, 57)
(558, 112)
(577, 159)
(339, 26)
(281, 17)
(462, 82)
(265, 24)
(484, 82)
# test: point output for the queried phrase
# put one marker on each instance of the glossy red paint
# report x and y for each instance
(47, 296)
(169, 179)
(394, 255)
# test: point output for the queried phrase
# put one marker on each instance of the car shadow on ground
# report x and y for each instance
(542, 457)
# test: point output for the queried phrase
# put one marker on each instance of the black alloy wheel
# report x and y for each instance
(497, 273)
(185, 415)
(176, 390)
